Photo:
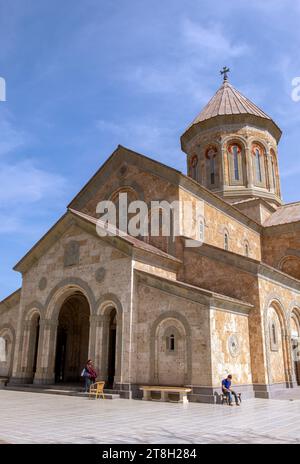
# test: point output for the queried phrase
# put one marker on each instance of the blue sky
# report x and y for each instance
(85, 76)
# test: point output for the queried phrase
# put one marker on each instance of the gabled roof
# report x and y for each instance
(285, 214)
(11, 300)
(81, 219)
(228, 100)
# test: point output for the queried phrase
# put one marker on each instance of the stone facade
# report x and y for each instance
(151, 310)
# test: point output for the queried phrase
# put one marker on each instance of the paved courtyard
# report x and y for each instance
(43, 418)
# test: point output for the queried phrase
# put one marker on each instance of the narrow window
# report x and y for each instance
(246, 249)
(274, 333)
(258, 165)
(273, 174)
(212, 169)
(201, 234)
(171, 343)
(235, 150)
(3, 349)
(226, 241)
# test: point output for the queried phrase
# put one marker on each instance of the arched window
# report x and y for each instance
(273, 170)
(211, 154)
(246, 249)
(258, 163)
(193, 167)
(226, 240)
(171, 342)
(201, 231)
(235, 152)
(235, 161)
(274, 335)
(3, 349)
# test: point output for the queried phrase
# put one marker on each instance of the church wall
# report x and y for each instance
(276, 296)
(216, 223)
(230, 347)
(158, 311)
(8, 328)
(280, 242)
(101, 270)
(149, 186)
(225, 278)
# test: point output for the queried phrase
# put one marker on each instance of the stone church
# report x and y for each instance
(151, 311)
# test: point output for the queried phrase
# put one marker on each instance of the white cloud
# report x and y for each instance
(150, 138)
(212, 39)
(23, 183)
(10, 138)
(198, 50)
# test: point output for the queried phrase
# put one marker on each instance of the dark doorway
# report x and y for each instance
(36, 335)
(72, 339)
(60, 354)
(112, 349)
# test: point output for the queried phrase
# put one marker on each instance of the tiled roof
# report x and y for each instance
(228, 101)
(284, 215)
(137, 243)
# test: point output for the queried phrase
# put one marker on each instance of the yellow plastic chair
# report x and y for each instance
(96, 389)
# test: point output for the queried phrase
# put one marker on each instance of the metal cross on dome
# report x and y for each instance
(225, 71)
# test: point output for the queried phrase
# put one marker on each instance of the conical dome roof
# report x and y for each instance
(228, 105)
(227, 101)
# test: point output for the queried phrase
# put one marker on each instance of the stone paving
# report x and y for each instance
(42, 418)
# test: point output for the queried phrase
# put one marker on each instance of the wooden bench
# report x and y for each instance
(165, 393)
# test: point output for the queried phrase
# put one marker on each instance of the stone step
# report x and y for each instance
(57, 391)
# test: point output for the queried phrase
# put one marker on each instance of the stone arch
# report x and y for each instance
(72, 337)
(277, 355)
(7, 333)
(259, 168)
(164, 321)
(212, 165)
(62, 290)
(236, 162)
(35, 307)
(294, 320)
(274, 171)
(125, 184)
(290, 264)
(31, 340)
(111, 337)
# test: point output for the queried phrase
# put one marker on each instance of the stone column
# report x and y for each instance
(25, 368)
(45, 373)
(249, 168)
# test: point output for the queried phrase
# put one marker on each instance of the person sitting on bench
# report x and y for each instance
(226, 390)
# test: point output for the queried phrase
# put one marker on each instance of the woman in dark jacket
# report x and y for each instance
(89, 375)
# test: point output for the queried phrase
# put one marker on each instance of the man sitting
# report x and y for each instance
(226, 389)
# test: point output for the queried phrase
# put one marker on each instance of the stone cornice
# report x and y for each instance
(249, 265)
(191, 292)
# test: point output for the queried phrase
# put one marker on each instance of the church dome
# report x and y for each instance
(231, 148)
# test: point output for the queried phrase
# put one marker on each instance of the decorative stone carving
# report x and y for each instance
(100, 274)
(233, 345)
(123, 170)
(71, 256)
(43, 283)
